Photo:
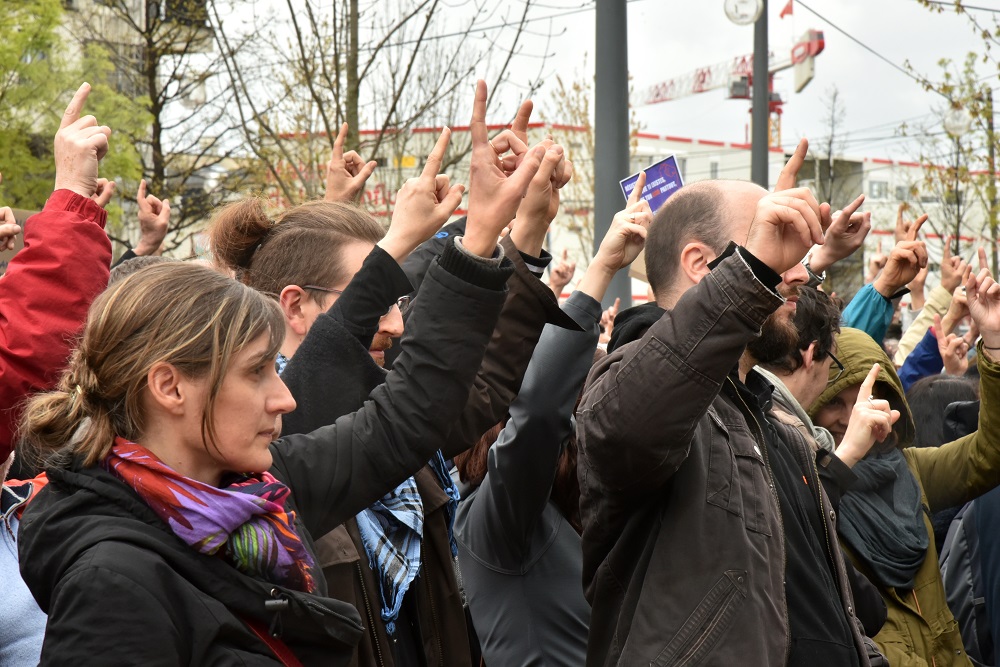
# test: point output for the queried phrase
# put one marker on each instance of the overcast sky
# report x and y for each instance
(670, 37)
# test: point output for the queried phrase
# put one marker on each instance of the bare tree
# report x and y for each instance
(299, 71)
(160, 52)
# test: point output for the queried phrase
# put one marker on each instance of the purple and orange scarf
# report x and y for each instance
(244, 522)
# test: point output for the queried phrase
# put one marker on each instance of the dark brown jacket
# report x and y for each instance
(683, 550)
(332, 369)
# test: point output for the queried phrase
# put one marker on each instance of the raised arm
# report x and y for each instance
(49, 284)
(338, 470)
(523, 461)
(968, 467)
(645, 400)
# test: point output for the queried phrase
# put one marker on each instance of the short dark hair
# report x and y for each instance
(928, 397)
(696, 213)
(817, 318)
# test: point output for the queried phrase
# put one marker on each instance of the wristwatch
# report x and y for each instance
(815, 280)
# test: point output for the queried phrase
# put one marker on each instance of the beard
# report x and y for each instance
(380, 343)
(778, 339)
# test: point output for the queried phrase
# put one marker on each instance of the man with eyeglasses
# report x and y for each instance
(390, 325)
(795, 355)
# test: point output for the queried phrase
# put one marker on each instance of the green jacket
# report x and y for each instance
(920, 629)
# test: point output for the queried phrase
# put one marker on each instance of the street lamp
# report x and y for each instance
(957, 123)
(743, 12)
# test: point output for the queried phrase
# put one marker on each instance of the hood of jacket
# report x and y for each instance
(82, 507)
(632, 323)
(858, 352)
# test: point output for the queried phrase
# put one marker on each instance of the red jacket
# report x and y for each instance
(44, 297)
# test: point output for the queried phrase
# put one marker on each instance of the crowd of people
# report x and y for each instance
(340, 444)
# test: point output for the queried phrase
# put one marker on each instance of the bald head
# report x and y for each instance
(711, 213)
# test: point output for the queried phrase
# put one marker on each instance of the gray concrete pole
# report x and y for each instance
(761, 107)
(611, 130)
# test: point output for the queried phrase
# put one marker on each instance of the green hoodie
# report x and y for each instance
(920, 629)
(858, 352)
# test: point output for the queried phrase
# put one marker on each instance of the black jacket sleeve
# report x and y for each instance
(338, 470)
(375, 287)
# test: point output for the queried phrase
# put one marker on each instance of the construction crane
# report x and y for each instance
(736, 75)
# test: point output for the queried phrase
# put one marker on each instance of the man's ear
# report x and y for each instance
(291, 300)
(695, 258)
(167, 388)
(808, 356)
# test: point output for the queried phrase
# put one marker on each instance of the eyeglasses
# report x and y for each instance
(840, 367)
(400, 303)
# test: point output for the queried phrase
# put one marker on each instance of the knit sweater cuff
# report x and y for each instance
(491, 273)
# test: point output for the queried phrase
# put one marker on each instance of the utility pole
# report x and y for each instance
(611, 131)
(761, 104)
(991, 184)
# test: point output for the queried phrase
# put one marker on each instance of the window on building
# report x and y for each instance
(713, 169)
(878, 189)
(682, 164)
(902, 193)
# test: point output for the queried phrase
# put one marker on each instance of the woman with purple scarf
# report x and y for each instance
(173, 530)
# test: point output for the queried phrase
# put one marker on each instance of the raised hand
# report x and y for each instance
(495, 187)
(876, 263)
(346, 173)
(871, 421)
(423, 205)
(9, 229)
(540, 204)
(954, 349)
(788, 221)
(621, 245)
(903, 227)
(561, 273)
(79, 145)
(905, 261)
(608, 321)
(984, 306)
(105, 189)
(154, 218)
(953, 269)
(845, 235)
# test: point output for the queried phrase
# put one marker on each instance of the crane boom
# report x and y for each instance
(723, 74)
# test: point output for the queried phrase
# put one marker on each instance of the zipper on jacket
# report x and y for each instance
(434, 618)
(277, 604)
(371, 619)
(777, 504)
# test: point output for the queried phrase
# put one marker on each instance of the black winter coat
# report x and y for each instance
(335, 355)
(121, 589)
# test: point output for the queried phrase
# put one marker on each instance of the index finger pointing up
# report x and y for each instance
(477, 125)
(868, 386)
(911, 235)
(72, 113)
(790, 172)
(436, 157)
(640, 184)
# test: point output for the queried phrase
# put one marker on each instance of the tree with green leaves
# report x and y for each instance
(37, 78)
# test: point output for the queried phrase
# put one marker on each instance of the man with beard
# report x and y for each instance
(707, 533)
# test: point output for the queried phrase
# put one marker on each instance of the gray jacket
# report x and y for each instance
(520, 558)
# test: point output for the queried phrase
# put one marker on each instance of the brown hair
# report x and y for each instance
(300, 247)
(695, 213)
(175, 312)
